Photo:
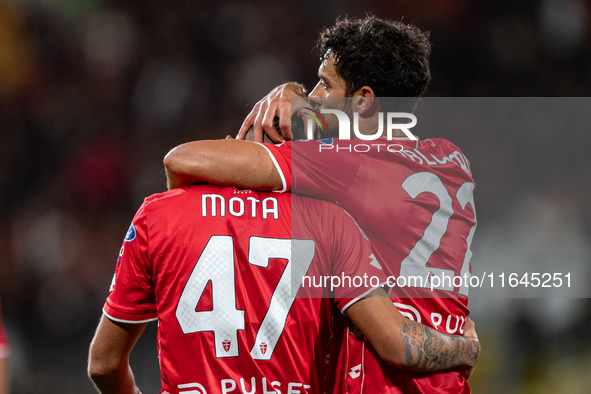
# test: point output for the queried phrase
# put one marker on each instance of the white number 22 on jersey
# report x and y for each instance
(216, 264)
(415, 264)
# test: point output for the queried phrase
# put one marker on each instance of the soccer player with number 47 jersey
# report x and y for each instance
(413, 199)
(232, 276)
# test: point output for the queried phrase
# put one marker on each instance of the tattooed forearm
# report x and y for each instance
(428, 349)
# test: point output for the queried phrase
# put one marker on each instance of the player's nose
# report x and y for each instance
(315, 95)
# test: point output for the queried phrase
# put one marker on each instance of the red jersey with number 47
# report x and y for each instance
(414, 201)
(218, 267)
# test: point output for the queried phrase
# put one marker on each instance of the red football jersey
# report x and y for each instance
(218, 267)
(414, 201)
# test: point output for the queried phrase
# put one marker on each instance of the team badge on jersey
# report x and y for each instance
(263, 347)
(226, 343)
(130, 236)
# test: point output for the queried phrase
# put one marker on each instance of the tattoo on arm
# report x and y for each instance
(428, 349)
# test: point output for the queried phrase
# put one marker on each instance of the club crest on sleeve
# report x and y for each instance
(130, 236)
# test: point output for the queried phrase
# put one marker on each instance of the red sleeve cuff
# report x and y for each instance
(128, 317)
(344, 303)
(281, 164)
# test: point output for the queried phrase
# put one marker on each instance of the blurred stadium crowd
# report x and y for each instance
(93, 93)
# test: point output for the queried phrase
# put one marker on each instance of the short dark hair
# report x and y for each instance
(390, 57)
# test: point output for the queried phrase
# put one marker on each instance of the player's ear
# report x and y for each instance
(364, 91)
(364, 100)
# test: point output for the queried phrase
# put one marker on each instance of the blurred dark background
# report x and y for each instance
(93, 94)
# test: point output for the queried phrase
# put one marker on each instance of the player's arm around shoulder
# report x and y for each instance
(410, 345)
(226, 162)
(108, 359)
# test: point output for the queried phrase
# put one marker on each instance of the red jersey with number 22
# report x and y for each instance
(218, 267)
(414, 201)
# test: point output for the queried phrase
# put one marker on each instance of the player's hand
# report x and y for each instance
(276, 104)
(470, 332)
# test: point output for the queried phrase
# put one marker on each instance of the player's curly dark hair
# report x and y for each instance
(390, 57)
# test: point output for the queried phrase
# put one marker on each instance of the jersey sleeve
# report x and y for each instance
(280, 155)
(321, 169)
(354, 258)
(131, 297)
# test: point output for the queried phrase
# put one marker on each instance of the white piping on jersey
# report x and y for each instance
(362, 365)
(128, 321)
(348, 359)
(278, 169)
(354, 300)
